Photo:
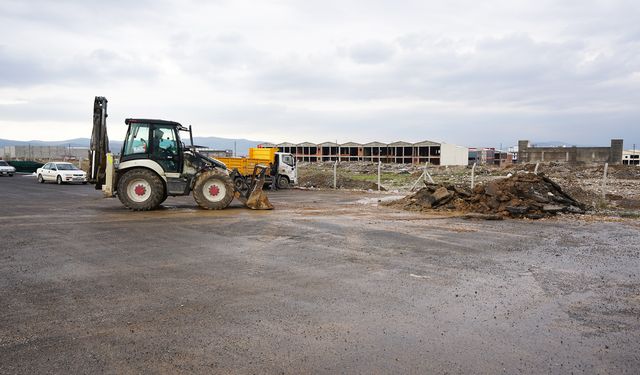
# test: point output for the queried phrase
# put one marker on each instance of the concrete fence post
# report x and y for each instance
(535, 171)
(379, 168)
(335, 175)
(473, 176)
(426, 172)
(604, 180)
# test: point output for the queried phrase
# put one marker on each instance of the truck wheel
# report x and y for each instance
(283, 182)
(140, 190)
(213, 190)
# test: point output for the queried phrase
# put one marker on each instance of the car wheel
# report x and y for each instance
(283, 182)
(10, 174)
(84, 182)
(140, 189)
(40, 179)
(59, 180)
(213, 190)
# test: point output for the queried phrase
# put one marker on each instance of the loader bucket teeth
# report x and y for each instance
(254, 198)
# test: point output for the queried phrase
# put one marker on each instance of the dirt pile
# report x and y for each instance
(521, 195)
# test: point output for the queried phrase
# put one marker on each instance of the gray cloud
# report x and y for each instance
(371, 52)
(499, 71)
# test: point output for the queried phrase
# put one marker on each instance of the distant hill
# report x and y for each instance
(241, 145)
(76, 142)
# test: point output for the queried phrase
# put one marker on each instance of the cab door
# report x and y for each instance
(165, 148)
(287, 167)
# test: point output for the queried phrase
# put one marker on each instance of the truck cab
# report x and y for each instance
(287, 170)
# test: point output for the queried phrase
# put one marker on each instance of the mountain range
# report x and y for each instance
(241, 145)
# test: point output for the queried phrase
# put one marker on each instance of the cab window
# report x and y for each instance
(164, 141)
(137, 140)
(288, 159)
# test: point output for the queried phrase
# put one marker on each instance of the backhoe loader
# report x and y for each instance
(154, 164)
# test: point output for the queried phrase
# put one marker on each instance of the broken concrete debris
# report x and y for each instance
(522, 195)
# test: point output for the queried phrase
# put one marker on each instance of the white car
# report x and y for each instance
(61, 172)
(7, 169)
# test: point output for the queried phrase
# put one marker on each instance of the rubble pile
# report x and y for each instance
(520, 195)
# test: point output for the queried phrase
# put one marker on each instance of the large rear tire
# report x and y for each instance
(140, 190)
(213, 190)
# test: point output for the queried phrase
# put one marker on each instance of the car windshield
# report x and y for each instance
(3, 163)
(66, 167)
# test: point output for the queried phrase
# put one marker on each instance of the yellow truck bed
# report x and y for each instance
(264, 156)
(243, 165)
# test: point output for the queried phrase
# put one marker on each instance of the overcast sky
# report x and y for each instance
(476, 73)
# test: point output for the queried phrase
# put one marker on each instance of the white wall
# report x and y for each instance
(453, 154)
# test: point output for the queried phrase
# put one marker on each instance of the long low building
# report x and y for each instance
(400, 152)
(30, 152)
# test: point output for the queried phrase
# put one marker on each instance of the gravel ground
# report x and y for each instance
(328, 282)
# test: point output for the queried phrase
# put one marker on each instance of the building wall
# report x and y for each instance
(612, 154)
(453, 154)
(418, 153)
(44, 152)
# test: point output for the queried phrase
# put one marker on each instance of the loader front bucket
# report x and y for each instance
(253, 197)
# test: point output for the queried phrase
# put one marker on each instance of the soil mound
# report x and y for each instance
(520, 195)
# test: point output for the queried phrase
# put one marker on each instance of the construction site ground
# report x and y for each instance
(328, 282)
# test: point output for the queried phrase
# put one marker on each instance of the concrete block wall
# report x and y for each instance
(612, 155)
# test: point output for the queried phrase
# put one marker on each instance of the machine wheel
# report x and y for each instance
(59, 180)
(40, 179)
(140, 190)
(213, 190)
(164, 198)
(240, 184)
(283, 182)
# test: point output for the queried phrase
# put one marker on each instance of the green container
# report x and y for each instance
(26, 166)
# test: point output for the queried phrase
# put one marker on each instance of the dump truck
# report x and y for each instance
(155, 164)
(283, 170)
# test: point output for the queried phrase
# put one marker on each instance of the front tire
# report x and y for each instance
(40, 179)
(213, 190)
(59, 180)
(283, 182)
(140, 190)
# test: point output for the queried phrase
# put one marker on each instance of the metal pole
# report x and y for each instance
(335, 174)
(535, 171)
(604, 179)
(473, 175)
(379, 167)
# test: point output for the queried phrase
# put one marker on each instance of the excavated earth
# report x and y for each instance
(529, 195)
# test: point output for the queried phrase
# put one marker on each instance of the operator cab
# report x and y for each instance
(158, 140)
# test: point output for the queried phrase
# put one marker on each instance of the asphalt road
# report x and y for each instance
(322, 284)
